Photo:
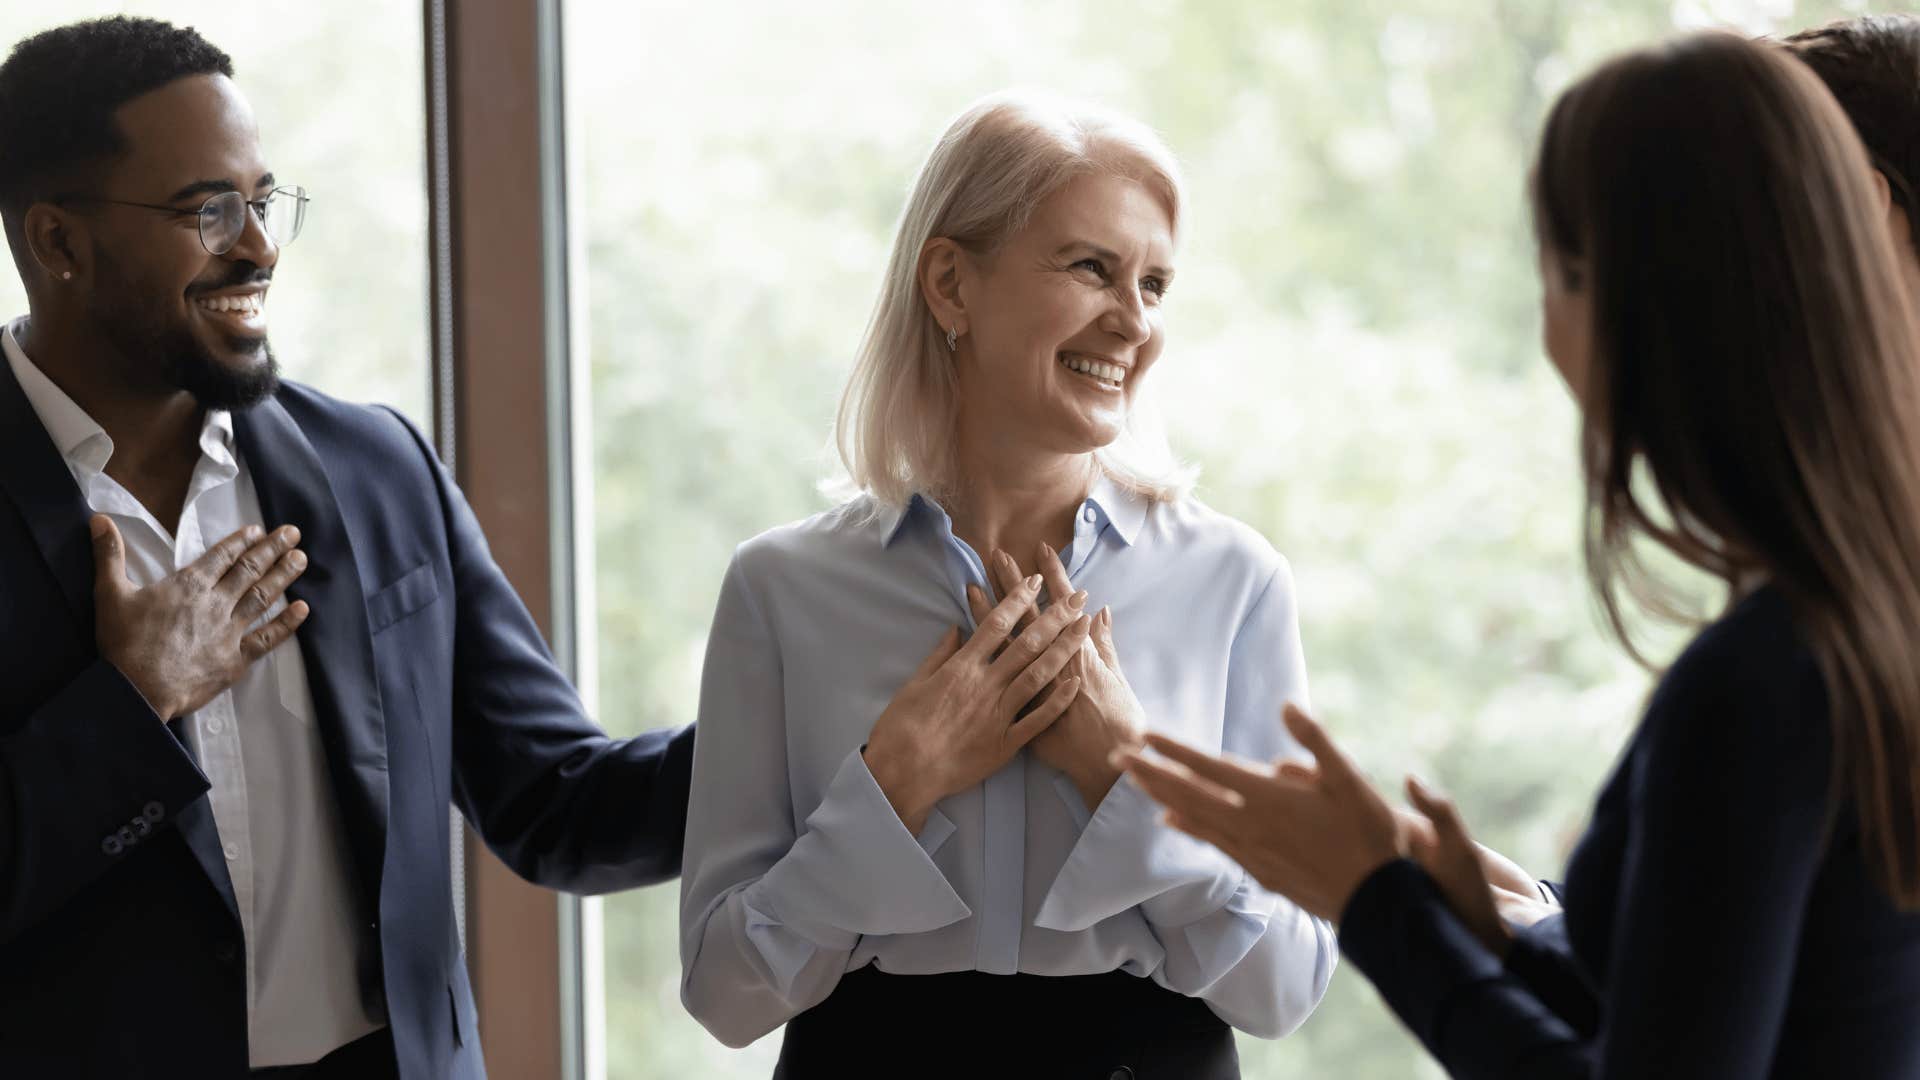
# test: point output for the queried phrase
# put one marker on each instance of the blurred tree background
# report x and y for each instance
(1353, 359)
(1353, 344)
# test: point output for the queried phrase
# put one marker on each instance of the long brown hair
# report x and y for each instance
(1756, 363)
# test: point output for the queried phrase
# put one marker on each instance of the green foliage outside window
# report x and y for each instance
(1353, 349)
(1353, 358)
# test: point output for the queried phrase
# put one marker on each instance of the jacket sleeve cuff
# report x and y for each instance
(92, 772)
(855, 870)
(101, 756)
(1541, 956)
(1126, 857)
(1398, 930)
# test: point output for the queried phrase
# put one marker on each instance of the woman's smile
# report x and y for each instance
(1098, 372)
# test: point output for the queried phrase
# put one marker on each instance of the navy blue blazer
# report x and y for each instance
(120, 944)
(1721, 921)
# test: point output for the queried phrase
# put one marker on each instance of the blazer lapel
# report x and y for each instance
(50, 502)
(56, 513)
(335, 640)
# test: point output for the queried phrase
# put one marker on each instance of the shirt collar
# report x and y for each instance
(1124, 510)
(83, 444)
(216, 438)
(1108, 503)
(893, 519)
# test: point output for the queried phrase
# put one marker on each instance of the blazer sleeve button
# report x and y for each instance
(153, 812)
(111, 845)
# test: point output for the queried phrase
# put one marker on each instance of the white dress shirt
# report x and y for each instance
(798, 870)
(272, 800)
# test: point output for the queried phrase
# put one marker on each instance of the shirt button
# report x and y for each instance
(232, 849)
(1087, 515)
(216, 725)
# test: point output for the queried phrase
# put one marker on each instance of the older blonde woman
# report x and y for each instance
(922, 861)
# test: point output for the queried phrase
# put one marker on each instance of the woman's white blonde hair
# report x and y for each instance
(996, 163)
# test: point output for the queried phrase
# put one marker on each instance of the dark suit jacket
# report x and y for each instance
(1721, 919)
(120, 947)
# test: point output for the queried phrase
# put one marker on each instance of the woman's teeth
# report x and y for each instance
(1107, 375)
(251, 304)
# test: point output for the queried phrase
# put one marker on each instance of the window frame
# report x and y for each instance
(500, 292)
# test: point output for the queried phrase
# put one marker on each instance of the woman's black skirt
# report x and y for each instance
(970, 1024)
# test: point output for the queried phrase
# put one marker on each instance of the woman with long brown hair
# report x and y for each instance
(1721, 295)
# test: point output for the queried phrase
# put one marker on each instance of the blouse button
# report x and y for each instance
(1087, 515)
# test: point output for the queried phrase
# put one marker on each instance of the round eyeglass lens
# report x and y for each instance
(286, 213)
(222, 220)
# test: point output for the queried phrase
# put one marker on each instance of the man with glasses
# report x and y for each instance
(253, 639)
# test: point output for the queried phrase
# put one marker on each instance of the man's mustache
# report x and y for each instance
(243, 274)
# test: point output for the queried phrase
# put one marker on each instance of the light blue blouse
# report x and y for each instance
(797, 869)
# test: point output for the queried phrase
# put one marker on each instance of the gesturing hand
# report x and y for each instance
(957, 720)
(1106, 715)
(1454, 862)
(1437, 839)
(1311, 833)
(183, 640)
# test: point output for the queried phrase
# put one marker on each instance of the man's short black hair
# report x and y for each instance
(59, 90)
(1872, 66)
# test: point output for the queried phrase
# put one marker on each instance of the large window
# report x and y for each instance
(1353, 353)
(1353, 358)
(349, 302)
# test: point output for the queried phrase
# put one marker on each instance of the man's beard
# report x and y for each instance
(185, 364)
(145, 336)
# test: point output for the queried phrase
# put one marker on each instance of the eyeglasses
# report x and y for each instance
(223, 219)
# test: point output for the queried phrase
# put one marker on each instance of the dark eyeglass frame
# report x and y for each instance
(208, 212)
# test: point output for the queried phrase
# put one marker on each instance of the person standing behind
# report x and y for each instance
(1871, 65)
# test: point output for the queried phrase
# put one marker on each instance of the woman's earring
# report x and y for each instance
(953, 339)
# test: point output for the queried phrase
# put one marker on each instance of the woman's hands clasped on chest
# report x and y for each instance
(960, 717)
(1104, 716)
